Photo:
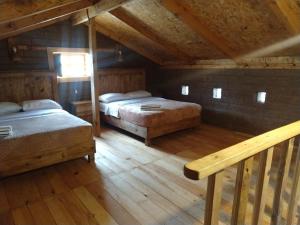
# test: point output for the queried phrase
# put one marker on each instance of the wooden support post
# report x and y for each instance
(242, 186)
(282, 176)
(295, 193)
(213, 198)
(94, 78)
(261, 192)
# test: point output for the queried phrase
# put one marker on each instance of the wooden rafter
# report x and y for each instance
(288, 12)
(93, 11)
(13, 10)
(42, 19)
(37, 26)
(134, 22)
(118, 37)
(188, 16)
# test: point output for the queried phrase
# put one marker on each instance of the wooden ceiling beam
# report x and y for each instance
(34, 27)
(42, 19)
(102, 6)
(288, 12)
(246, 63)
(148, 32)
(13, 10)
(190, 18)
(118, 37)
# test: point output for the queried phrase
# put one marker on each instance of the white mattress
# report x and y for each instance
(40, 121)
(112, 108)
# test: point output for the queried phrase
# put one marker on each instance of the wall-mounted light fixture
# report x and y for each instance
(185, 90)
(119, 54)
(217, 93)
(261, 97)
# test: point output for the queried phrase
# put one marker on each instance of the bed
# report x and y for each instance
(40, 137)
(127, 114)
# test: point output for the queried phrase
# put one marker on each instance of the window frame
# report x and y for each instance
(52, 51)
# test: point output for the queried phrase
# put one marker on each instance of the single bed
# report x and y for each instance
(127, 114)
(40, 137)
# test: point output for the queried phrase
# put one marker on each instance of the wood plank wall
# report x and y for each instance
(238, 108)
(65, 35)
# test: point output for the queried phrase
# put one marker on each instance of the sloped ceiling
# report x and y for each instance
(173, 31)
(197, 29)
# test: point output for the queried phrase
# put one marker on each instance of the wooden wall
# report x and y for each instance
(238, 108)
(63, 34)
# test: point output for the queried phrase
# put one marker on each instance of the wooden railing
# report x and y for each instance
(242, 155)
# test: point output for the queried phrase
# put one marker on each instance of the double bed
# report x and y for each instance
(128, 113)
(40, 137)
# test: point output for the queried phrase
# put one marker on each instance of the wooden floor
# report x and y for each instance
(129, 184)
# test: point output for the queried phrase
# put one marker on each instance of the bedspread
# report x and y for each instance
(170, 111)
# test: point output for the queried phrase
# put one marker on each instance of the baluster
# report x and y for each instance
(265, 162)
(295, 193)
(282, 177)
(213, 198)
(241, 191)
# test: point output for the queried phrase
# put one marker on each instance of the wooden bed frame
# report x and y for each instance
(151, 132)
(18, 87)
(125, 80)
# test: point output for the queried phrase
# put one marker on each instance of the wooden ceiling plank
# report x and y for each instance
(34, 21)
(188, 16)
(13, 10)
(93, 11)
(118, 37)
(138, 25)
(288, 12)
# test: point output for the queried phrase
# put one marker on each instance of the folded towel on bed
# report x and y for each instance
(154, 109)
(6, 131)
(150, 106)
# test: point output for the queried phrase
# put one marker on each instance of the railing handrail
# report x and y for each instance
(227, 157)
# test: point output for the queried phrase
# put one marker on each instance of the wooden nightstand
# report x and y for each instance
(83, 109)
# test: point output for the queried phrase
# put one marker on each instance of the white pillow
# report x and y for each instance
(40, 104)
(9, 107)
(112, 97)
(138, 94)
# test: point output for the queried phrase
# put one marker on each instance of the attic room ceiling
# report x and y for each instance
(193, 29)
(170, 31)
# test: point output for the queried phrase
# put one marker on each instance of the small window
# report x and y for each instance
(74, 65)
(185, 90)
(217, 93)
(261, 97)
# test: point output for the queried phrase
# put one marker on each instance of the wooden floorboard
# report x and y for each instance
(129, 184)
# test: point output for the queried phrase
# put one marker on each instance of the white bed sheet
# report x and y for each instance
(40, 121)
(112, 108)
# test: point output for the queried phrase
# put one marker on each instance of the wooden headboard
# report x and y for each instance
(121, 80)
(31, 85)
